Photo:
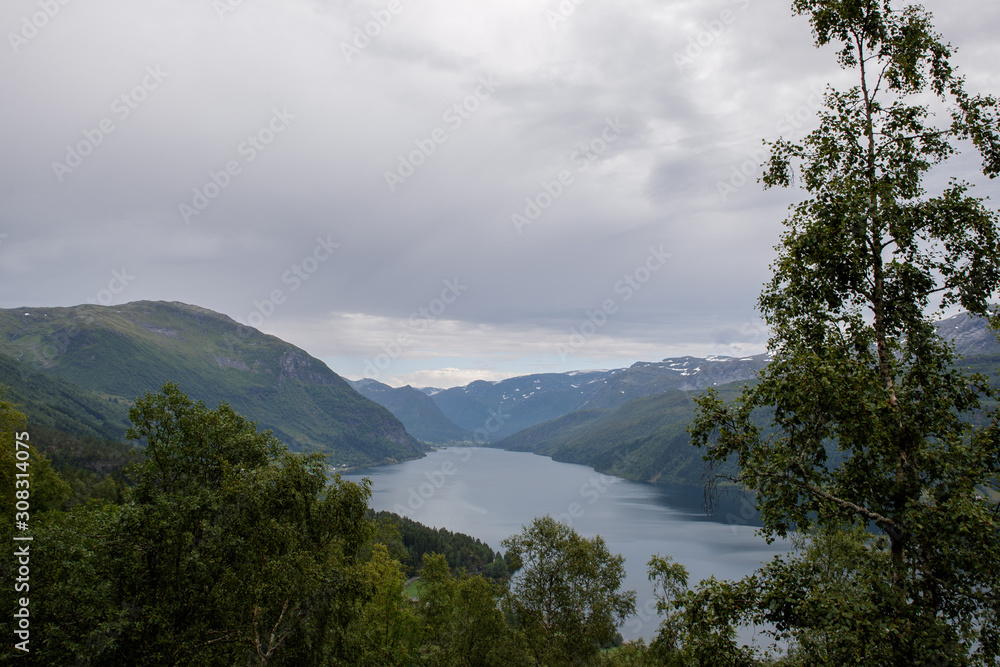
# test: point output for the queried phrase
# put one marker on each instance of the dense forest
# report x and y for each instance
(463, 554)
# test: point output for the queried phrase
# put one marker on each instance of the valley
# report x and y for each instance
(78, 369)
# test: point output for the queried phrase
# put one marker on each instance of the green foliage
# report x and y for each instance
(77, 615)
(93, 468)
(463, 621)
(865, 263)
(566, 598)
(230, 550)
(462, 553)
(190, 448)
(385, 632)
(26, 479)
(699, 626)
(840, 579)
(46, 488)
(437, 598)
(633, 654)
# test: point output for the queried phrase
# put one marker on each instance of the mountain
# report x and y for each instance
(494, 410)
(50, 403)
(121, 352)
(645, 438)
(971, 336)
(419, 414)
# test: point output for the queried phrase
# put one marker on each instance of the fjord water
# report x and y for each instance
(490, 494)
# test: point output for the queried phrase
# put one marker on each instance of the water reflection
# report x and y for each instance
(491, 494)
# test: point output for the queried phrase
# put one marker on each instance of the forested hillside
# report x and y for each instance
(646, 439)
(118, 353)
(53, 403)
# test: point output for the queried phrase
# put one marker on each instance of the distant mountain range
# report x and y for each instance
(418, 412)
(82, 366)
(631, 422)
(495, 410)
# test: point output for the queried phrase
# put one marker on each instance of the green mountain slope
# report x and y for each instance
(553, 435)
(645, 439)
(512, 405)
(418, 412)
(124, 351)
(57, 405)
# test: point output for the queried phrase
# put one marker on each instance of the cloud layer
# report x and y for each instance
(505, 187)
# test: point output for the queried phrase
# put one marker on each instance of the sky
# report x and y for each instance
(424, 193)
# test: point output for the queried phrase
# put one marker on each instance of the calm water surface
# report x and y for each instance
(491, 494)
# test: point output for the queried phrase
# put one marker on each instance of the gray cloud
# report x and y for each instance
(629, 126)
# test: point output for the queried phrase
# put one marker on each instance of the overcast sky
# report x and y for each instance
(426, 192)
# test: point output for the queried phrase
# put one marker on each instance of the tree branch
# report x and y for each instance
(891, 526)
(226, 637)
(271, 646)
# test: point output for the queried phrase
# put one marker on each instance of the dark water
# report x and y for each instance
(491, 494)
